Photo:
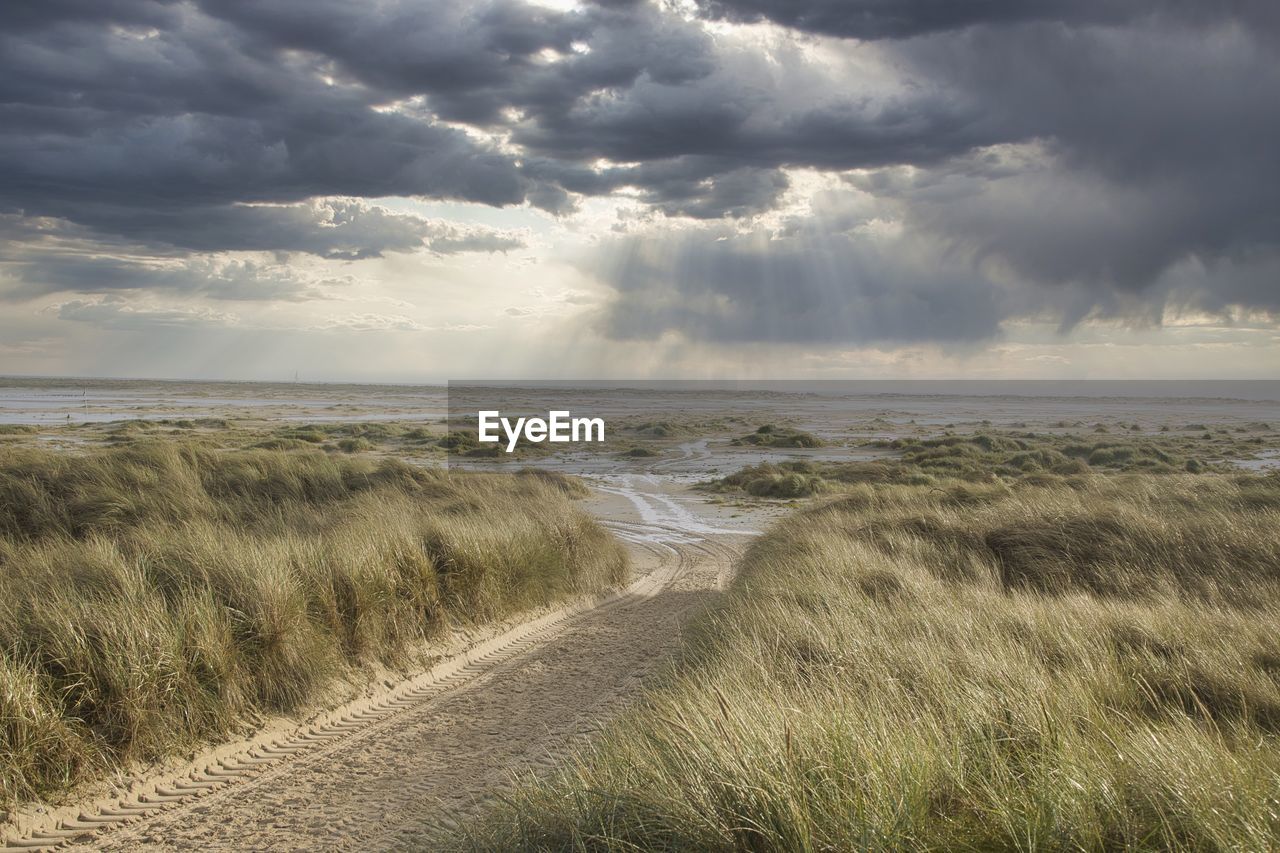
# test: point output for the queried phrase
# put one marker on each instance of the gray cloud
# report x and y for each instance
(232, 280)
(113, 312)
(198, 113)
(899, 19)
(1154, 150)
(813, 285)
(23, 15)
(919, 263)
(342, 229)
(1135, 173)
(181, 252)
(1093, 157)
(210, 110)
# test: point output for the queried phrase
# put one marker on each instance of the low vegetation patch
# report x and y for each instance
(466, 443)
(975, 458)
(1092, 664)
(769, 480)
(774, 436)
(281, 444)
(155, 596)
(1018, 454)
(657, 429)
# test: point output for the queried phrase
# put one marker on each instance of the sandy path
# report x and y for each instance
(387, 784)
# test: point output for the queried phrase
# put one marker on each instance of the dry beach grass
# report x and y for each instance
(1079, 662)
(156, 595)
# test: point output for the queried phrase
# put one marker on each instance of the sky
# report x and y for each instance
(419, 190)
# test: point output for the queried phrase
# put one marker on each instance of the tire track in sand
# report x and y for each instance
(382, 775)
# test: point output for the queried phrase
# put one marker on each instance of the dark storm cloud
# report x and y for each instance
(1095, 156)
(898, 19)
(223, 101)
(693, 187)
(466, 56)
(169, 113)
(335, 228)
(36, 14)
(833, 277)
(1137, 177)
(812, 287)
(176, 160)
(1157, 148)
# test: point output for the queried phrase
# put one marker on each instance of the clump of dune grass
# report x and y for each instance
(467, 444)
(775, 436)
(155, 596)
(555, 480)
(994, 666)
(281, 443)
(775, 480)
(658, 429)
(306, 433)
(371, 431)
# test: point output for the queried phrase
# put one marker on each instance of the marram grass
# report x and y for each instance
(1036, 667)
(157, 596)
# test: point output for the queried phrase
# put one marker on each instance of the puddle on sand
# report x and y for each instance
(1265, 460)
(659, 510)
